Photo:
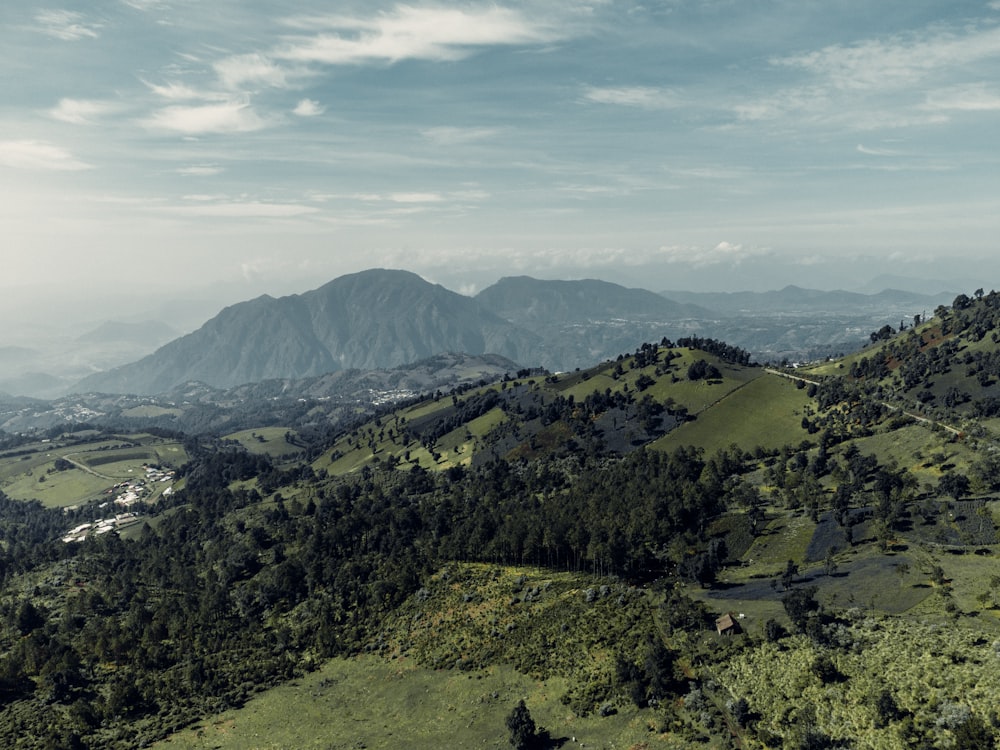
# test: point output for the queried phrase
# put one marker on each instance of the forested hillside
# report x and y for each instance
(711, 551)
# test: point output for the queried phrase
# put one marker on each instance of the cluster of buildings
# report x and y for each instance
(120, 521)
(132, 491)
(126, 494)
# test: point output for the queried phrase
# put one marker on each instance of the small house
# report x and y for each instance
(727, 625)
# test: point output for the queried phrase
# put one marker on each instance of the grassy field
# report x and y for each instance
(918, 448)
(269, 441)
(765, 411)
(97, 466)
(373, 703)
(443, 680)
(57, 490)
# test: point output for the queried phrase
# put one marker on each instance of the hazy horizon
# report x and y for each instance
(156, 150)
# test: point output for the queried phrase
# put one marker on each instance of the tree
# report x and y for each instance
(659, 668)
(956, 485)
(523, 733)
(773, 631)
(788, 577)
(800, 605)
(29, 618)
(886, 709)
(973, 733)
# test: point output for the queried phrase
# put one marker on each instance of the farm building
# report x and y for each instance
(727, 625)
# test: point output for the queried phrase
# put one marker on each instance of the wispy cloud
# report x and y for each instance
(977, 97)
(308, 108)
(205, 206)
(898, 61)
(38, 155)
(882, 83)
(66, 25)
(146, 5)
(200, 170)
(451, 136)
(253, 70)
(700, 257)
(645, 97)
(420, 33)
(416, 197)
(81, 111)
(180, 92)
(862, 149)
(226, 117)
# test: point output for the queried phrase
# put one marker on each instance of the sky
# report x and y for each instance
(149, 147)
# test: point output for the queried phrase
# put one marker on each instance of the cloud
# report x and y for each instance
(226, 117)
(146, 5)
(862, 149)
(179, 92)
(308, 108)
(878, 64)
(38, 155)
(252, 70)
(81, 111)
(699, 257)
(200, 170)
(643, 97)
(883, 82)
(451, 136)
(241, 210)
(66, 25)
(416, 197)
(970, 98)
(519, 259)
(412, 33)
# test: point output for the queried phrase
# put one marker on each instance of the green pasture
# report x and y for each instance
(453, 448)
(581, 388)
(444, 681)
(786, 538)
(380, 704)
(918, 448)
(97, 466)
(58, 489)
(44, 456)
(269, 441)
(766, 411)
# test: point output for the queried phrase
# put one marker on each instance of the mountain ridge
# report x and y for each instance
(382, 318)
(370, 320)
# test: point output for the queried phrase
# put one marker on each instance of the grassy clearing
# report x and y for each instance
(917, 448)
(384, 705)
(455, 659)
(58, 489)
(269, 441)
(766, 411)
(785, 538)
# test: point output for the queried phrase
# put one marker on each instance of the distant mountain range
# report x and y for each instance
(369, 320)
(794, 299)
(385, 318)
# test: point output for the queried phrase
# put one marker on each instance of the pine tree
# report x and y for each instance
(523, 733)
